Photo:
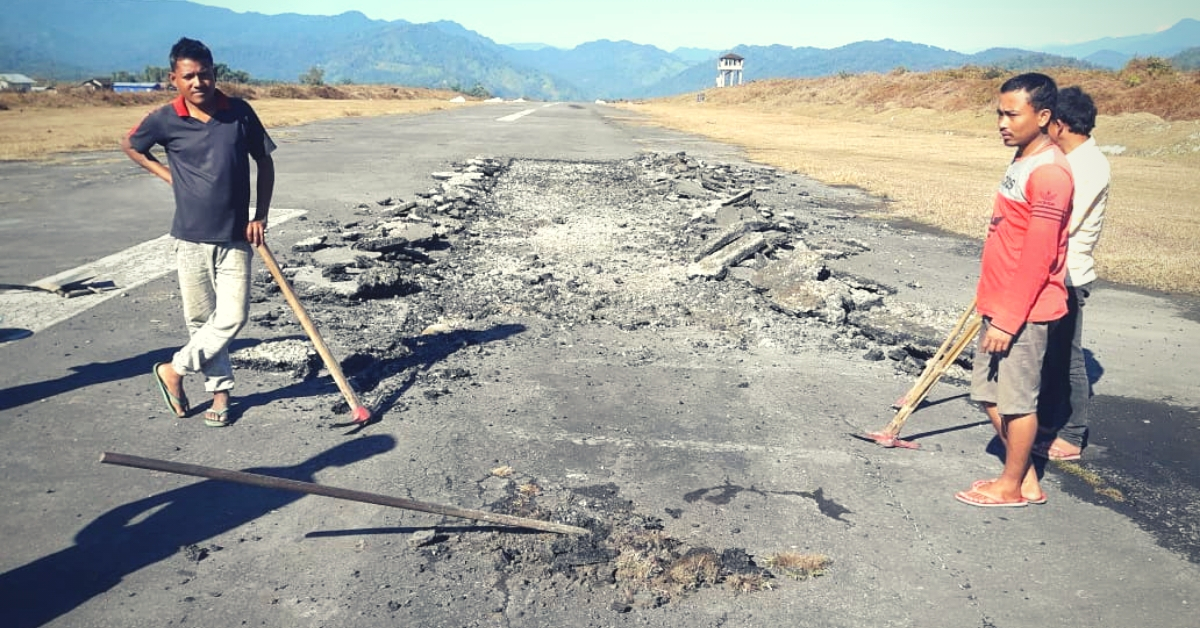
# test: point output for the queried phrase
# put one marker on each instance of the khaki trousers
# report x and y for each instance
(214, 280)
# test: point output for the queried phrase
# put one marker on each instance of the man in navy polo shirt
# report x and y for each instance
(209, 139)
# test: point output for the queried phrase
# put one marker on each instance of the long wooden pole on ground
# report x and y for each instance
(267, 481)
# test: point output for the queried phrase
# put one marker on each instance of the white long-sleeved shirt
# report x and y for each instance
(1092, 175)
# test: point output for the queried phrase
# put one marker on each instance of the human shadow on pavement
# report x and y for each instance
(112, 547)
(83, 376)
(1094, 369)
(94, 373)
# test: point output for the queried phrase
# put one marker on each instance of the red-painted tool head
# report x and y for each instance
(885, 439)
(362, 414)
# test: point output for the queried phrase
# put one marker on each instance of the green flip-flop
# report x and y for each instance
(172, 401)
(217, 418)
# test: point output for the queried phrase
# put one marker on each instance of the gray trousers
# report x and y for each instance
(214, 280)
(1067, 390)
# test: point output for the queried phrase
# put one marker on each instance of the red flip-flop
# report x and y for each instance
(975, 498)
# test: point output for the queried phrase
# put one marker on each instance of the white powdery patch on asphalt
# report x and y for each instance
(597, 222)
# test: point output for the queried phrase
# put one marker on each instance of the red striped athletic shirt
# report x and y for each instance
(1022, 276)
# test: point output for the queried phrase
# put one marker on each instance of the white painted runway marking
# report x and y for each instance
(128, 269)
(516, 116)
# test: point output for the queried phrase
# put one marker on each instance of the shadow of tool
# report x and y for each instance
(424, 353)
(111, 547)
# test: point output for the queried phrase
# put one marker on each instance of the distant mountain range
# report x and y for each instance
(74, 39)
(1115, 52)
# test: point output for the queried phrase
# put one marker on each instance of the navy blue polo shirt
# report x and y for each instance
(210, 165)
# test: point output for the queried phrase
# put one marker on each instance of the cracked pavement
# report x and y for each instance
(551, 327)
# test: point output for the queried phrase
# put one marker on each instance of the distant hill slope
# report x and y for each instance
(697, 55)
(423, 55)
(1115, 52)
(1188, 59)
(866, 56)
(1017, 60)
(605, 69)
(71, 39)
(131, 34)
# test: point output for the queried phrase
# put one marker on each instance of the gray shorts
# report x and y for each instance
(1011, 380)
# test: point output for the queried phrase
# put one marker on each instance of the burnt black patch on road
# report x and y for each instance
(1147, 452)
(725, 493)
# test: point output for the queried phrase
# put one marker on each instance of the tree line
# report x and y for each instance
(156, 74)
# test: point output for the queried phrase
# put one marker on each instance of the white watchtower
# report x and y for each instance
(729, 70)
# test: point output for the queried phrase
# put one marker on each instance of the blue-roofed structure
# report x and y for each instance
(118, 86)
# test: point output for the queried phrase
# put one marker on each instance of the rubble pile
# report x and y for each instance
(660, 242)
(627, 562)
(500, 254)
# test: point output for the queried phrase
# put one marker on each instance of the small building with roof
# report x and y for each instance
(16, 83)
(97, 84)
(729, 70)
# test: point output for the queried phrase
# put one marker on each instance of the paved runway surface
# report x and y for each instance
(767, 466)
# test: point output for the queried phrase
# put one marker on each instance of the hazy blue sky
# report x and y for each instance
(965, 26)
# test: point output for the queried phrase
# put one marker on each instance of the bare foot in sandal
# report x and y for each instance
(170, 384)
(1032, 495)
(217, 414)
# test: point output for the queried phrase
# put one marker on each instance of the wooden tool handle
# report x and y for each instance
(309, 328)
(937, 356)
(267, 481)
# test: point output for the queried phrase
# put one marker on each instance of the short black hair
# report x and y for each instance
(1042, 90)
(1076, 109)
(193, 49)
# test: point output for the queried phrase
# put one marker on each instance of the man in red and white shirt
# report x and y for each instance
(1022, 290)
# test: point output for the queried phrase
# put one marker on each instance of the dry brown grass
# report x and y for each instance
(43, 125)
(798, 566)
(927, 142)
(748, 583)
(695, 570)
(1092, 479)
(503, 471)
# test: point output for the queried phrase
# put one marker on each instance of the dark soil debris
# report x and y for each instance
(627, 555)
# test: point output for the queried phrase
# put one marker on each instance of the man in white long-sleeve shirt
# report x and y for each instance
(1063, 405)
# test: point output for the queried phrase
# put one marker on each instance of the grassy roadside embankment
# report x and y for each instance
(925, 141)
(43, 126)
(928, 143)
